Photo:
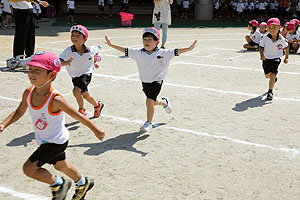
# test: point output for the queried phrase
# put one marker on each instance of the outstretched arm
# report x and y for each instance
(119, 48)
(190, 48)
(17, 114)
(59, 103)
(68, 62)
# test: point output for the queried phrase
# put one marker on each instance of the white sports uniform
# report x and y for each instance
(255, 37)
(153, 66)
(273, 49)
(82, 63)
(48, 127)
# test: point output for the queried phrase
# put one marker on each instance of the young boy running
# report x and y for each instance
(47, 109)
(271, 49)
(80, 63)
(153, 66)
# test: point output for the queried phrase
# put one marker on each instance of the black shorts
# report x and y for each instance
(37, 17)
(110, 6)
(152, 90)
(101, 8)
(271, 65)
(82, 82)
(49, 153)
(5, 13)
(252, 43)
(71, 12)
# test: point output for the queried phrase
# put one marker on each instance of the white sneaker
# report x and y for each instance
(147, 126)
(168, 106)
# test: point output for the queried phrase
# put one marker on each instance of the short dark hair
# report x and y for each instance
(80, 33)
(254, 28)
(147, 34)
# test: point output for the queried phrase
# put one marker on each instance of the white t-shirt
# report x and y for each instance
(255, 37)
(21, 5)
(101, 2)
(262, 6)
(240, 7)
(110, 2)
(273, 49)
(36, 8)
(82, 63)
(154, 66)
(48, 127)
(71, 4)
(185, 4)
(162, 12)
(289, 37)
(6, 6)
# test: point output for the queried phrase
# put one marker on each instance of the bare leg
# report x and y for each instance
(78, 96)
(86, 95)
(150, 107)
(272, 81)
(31, 170)
(68, 169)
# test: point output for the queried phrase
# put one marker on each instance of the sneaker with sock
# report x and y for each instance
(269, 95)
(98, 109)
(167, 107)
(147, 126)
(59, 192)
(82, 111)
(81, 190)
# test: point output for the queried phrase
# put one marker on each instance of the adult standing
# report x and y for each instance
(162, 17)
(24, 39)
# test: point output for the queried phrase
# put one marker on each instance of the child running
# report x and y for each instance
(271, 49)
(254, 38)
(80, 63)
(47, 109)
(153, 66)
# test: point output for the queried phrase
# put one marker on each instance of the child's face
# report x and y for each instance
(149, 43)
(249, 28)
(38, 76)
(263, 28)
(273, 29)
(291, 31)
(77, 38)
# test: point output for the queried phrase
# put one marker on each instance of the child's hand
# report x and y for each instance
(70, 61)
(286, 60)
(96, 66)
(44, 3)
(99, 133)
(1, 128)
(108, 41)
(193, 45)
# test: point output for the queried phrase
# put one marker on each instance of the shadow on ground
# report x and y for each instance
(251, 103)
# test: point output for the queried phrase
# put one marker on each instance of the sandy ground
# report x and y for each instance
(222, 141)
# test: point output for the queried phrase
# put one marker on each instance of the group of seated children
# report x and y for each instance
(289, 31)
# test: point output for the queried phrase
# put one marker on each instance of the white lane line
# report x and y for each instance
(211, 135)
(21, 195)
(227, 67)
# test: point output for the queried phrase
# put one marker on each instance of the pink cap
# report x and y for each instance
(81, 29)
(263, 24)
(152, 30)
(274, 21)
(290, 26)
(296, 21)
(254, 23)
(46, 60)
(286, 23)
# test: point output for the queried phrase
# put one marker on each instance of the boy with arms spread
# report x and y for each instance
(47, 109)
(271, 49)
(153, 66)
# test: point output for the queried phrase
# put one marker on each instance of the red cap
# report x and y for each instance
(254, 23)
(81, 29)
(152, 30)
(274, 21)
(290, 26)
(46, 60)
(263, 24)
(296, 21)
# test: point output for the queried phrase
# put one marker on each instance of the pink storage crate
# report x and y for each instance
(126, 18)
